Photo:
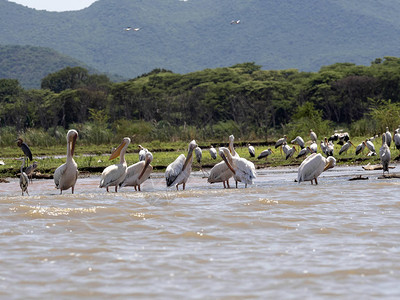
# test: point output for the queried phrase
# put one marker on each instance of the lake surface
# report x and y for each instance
(275, 239)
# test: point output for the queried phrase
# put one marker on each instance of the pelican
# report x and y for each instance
(235, 22)
(113, 175)
(66, 175)
(388, 137)
(384, 153)
(360, 148)
(198, 153)
(313, 136)
(252, 151)
(370, 145)
(24, 147)
(313, 166)
(30, 169)
(299, 140)
(213, 152)
(280, 142)
(396, 139)
(142, 153)
(178, 172)
(220, 173)
(243, 170)
(23, 179)
(138, 173)
(346, 147)
(265, 153)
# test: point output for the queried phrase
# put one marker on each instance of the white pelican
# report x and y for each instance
(384, 153)
(213, 152)
(313, 166)
(220, 173)
(265, 153)
(346, 147)
(138, 173)
(243, 170)
(388, 137)
(232, 146)
(252, 151)
(113, 175)
(23, 179)
(142, 153)
(198, 153)
(299, 140)
(370, 145)
(313, 136)
(396, 139)
(66, 175)
(178, 172)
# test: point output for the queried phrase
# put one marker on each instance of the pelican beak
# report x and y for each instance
(189, 156)
(147, 163)
(227, 162)
(328, 166)
(73, 144)
(117, 151)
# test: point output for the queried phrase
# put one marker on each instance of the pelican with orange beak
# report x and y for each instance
(138, 173)
(179, 171)
(115, 174)
(66, 175)
(313, 166)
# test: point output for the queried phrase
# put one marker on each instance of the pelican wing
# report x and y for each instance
(219, 173)
(311, 167)
(113, 175)
(59, 172)
(174, 169)
(245, 170)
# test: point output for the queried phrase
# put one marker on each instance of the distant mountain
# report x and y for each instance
(30, 64)
(185, 36)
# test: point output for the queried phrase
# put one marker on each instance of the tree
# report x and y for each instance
(67, 78)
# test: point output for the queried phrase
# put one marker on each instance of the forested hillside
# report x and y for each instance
(187, 36)
(212, 103)
(30, 64)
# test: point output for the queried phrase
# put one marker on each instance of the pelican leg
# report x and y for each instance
(227, 183)
(236, 184)
(107, 189)
(135, 188)
(224, 184)
(139, 187)
(184, 185)
(60, 191)
(316, 182)
(116, 188)
(72, 189)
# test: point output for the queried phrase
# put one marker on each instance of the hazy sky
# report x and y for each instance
(55, 5)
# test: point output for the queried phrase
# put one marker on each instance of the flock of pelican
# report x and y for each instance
(231, 166)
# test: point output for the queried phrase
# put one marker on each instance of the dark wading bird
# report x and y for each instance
(24, 147)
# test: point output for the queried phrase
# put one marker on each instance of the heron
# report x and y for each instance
(25, 148)
(23, 178)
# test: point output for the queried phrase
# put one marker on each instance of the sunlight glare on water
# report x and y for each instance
(274, 239)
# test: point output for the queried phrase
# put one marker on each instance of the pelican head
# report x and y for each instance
(224, 153)
(330, 163)
(125, 142)
(72, 136)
